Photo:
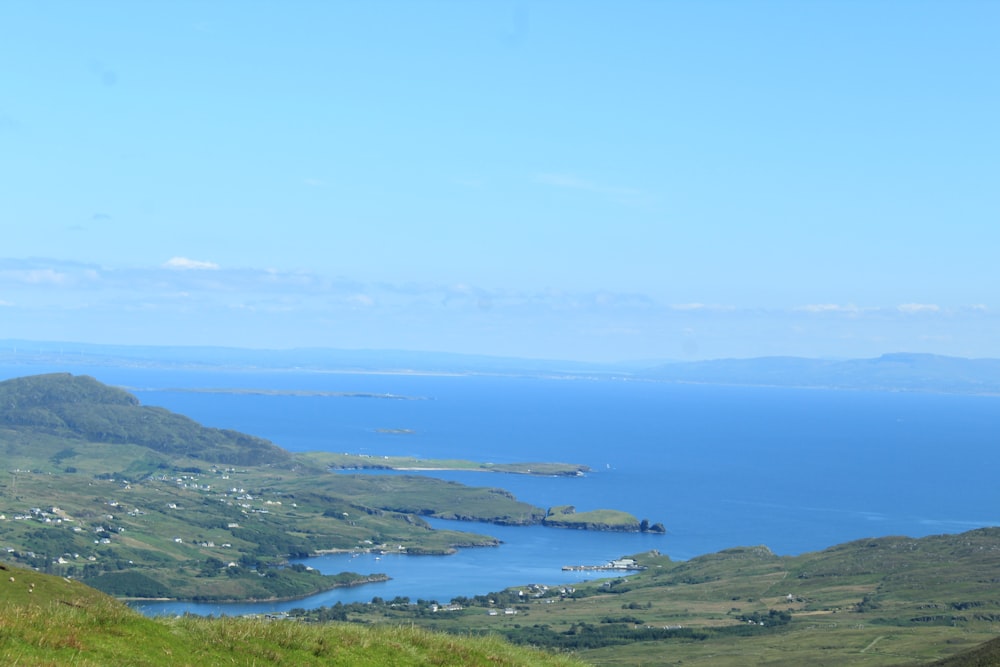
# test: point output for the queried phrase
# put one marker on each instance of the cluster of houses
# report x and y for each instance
(105, 526)
(621, 564)
(52, 515)
(509, 611)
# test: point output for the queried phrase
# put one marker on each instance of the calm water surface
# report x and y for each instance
(797, 470)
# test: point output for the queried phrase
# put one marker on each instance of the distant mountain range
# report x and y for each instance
(889, 372)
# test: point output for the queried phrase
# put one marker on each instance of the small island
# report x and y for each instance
(566, 516)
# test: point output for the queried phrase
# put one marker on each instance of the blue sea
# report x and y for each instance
(795, 469)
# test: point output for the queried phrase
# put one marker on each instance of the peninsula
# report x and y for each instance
(142, 502)
(345, 461)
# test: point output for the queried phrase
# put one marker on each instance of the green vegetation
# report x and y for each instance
(101, 489)
(984, 655)
(887, 601)
(47, 620)
(566, 516)
(81, 408)
(142, 502)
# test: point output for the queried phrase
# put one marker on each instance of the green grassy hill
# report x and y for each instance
(111, 499)
(984, 655)
(142, 502)
(81, 408)
(888, 601)
(47, 620)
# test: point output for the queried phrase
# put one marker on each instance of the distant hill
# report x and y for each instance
(984, 655)
(889, 372)
(80, 407)
(878, 602)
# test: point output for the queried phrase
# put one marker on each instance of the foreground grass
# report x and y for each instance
(51, 621)
(109, 634)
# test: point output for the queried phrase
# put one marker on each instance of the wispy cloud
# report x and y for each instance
(301, 303)
(696, 306)
(185, 264)
(612, 299)
(43, 277)
(849, 308)
(363, 300)
(913, 308)
(29, 275)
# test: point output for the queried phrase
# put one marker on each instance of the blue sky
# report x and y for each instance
(583, 180)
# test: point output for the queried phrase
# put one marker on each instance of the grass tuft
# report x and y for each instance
(65, 623)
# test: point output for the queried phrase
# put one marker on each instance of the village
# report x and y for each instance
(108, 519)
(621, 564)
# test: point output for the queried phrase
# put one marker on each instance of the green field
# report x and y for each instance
(142, 502)
(887, 601)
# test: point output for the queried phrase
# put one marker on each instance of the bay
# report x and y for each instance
(795, 469)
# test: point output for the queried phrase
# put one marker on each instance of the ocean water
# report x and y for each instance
(797, 470)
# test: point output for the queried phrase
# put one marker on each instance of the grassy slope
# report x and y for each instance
(143, 502)
(99, 487)
(72, 407)
(47, 620)
(173, 525)
(984, 655)
(889, 601)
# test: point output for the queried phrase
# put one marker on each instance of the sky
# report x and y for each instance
(597, 181)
